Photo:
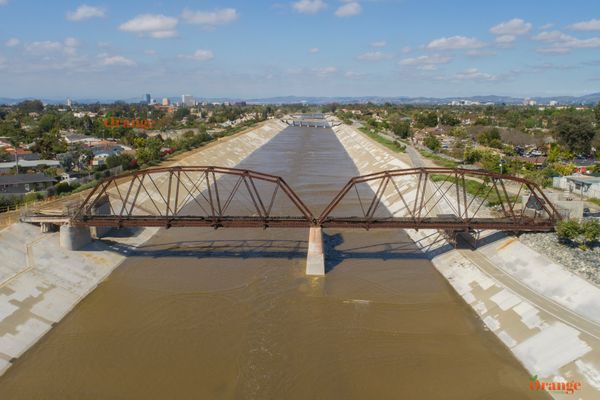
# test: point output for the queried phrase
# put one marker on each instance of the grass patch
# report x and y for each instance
(475, 188)
(441, 161)
(594, 200)
(393, 145)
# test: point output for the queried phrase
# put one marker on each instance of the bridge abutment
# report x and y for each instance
(74, 238)
(315, 259)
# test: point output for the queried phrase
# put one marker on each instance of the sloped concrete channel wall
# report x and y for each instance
(557, 337)
(40, 282)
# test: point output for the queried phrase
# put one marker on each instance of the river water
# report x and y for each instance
(230, 314)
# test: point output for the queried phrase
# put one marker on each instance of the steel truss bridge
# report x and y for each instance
(217, 197)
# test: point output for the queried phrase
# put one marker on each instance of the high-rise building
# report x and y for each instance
(187, 100)
(148, 98)
(69, 102)
(166, 101)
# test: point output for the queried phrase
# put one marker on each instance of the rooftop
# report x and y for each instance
(25, 178)
(589, 180)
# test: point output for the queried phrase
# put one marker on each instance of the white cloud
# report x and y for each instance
(426, 60)
(474, 74)
(200, 55)
(84, 12)
(374, 56)
(551, 36)
(354, 75)
(12, 42)
(68, 46)
(325, 71)
(116, 61)
(3, 2)
(71, 42)
(591, 25)
(210, 19)
(505, 40)
(455, 43)
(350, 9)
(309, 6)
(561, 43)
(379, 44)
(514, 27)
(480, 53)
(406, 49)
(314, 50)
(545, 27)
(150, 52)
(157, 26)
(43, 47)
(163, 34)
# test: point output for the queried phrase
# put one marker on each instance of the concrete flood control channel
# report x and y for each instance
(198, 313)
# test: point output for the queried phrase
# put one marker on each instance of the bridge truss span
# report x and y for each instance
(441, 198)
(418, 198)
(194, 196)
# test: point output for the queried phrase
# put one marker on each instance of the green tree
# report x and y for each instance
(491, 138)
(576, 132)
(400, 127)
(597, 112)
(432, 143)
(449, 120)
(427, 118)
(28, 106)
(50, 144)
(47, 122)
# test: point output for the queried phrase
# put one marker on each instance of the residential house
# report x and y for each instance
(21, 184)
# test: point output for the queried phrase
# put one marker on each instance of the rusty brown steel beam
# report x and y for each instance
(215, 217)
(299, 222)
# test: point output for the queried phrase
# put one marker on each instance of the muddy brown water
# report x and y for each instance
(229, 314)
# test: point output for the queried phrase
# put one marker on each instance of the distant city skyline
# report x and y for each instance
(321, 48)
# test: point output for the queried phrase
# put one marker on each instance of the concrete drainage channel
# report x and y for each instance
(512, 292)
(58, 279)
(41, 280)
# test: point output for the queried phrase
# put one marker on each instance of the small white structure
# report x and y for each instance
(582, 185)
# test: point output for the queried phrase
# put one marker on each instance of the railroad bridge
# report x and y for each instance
(449, 199)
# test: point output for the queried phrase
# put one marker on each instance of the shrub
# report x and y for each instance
(591, 230)
(581, 234)
(63, 187)
(568, 230)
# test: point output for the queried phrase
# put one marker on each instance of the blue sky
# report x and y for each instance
(248, 49)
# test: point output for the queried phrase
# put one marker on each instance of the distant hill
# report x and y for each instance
(592, 98)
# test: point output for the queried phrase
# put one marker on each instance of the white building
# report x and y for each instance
(588, 186)
(71, 138)
(166, 101)
(187, 100)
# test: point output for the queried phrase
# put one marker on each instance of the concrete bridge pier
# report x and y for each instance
(74, 238)
(47, 227)
(315, 259)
